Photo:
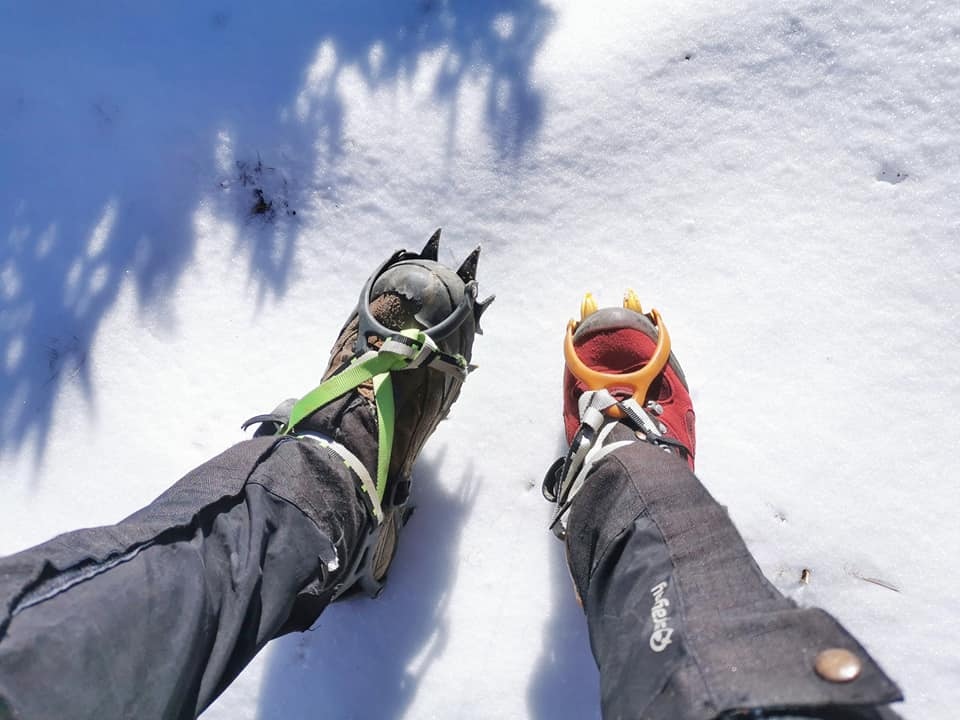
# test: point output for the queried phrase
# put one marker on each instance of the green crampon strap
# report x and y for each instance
(372, 366)
(383, 392)
(340, 384)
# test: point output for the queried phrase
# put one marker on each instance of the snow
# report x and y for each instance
(779, 179)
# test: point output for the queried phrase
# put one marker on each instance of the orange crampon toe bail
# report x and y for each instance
(638, 382)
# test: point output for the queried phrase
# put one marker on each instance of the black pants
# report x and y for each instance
(153, 617)
(682, 622)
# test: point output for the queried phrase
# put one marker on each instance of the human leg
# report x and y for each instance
(682, 622)
(154, 616)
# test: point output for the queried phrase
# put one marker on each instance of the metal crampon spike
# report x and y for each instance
(478, 310)
(631, 301)
(468, 268)
(430, 250)
(588, 306)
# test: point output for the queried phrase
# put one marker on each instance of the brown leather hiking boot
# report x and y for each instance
(395, 370)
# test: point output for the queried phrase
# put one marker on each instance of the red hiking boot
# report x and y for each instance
(618, 341)
(620, 371)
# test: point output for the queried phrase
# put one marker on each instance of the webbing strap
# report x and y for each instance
(578, 465)
(383, 392)
(363, 369)
(588, 448)
(596, 454)
(396, 353)
(353, 463)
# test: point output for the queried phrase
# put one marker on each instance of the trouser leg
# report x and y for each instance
(682, 622)
(154, 616)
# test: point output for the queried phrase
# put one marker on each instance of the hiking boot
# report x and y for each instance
(620, 374)
(394, 372)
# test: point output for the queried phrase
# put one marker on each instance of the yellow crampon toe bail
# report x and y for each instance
(631, 301)
(588, 306)
(638, 381)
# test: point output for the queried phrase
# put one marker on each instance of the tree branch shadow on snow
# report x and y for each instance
(364, 658)
(495, 40)
(110, 150)
(565, 683)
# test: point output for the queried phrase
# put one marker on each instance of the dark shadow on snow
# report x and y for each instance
(565, 683)
(387, 41)
(364, 657)
(98, 192)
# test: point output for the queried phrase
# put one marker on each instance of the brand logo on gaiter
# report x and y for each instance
(662, 632)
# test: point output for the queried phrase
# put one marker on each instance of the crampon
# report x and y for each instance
(402, 355)
(619, 372)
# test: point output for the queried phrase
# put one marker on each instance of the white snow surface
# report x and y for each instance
(780, 179)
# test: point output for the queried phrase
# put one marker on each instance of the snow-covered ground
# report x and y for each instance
(781, 179)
